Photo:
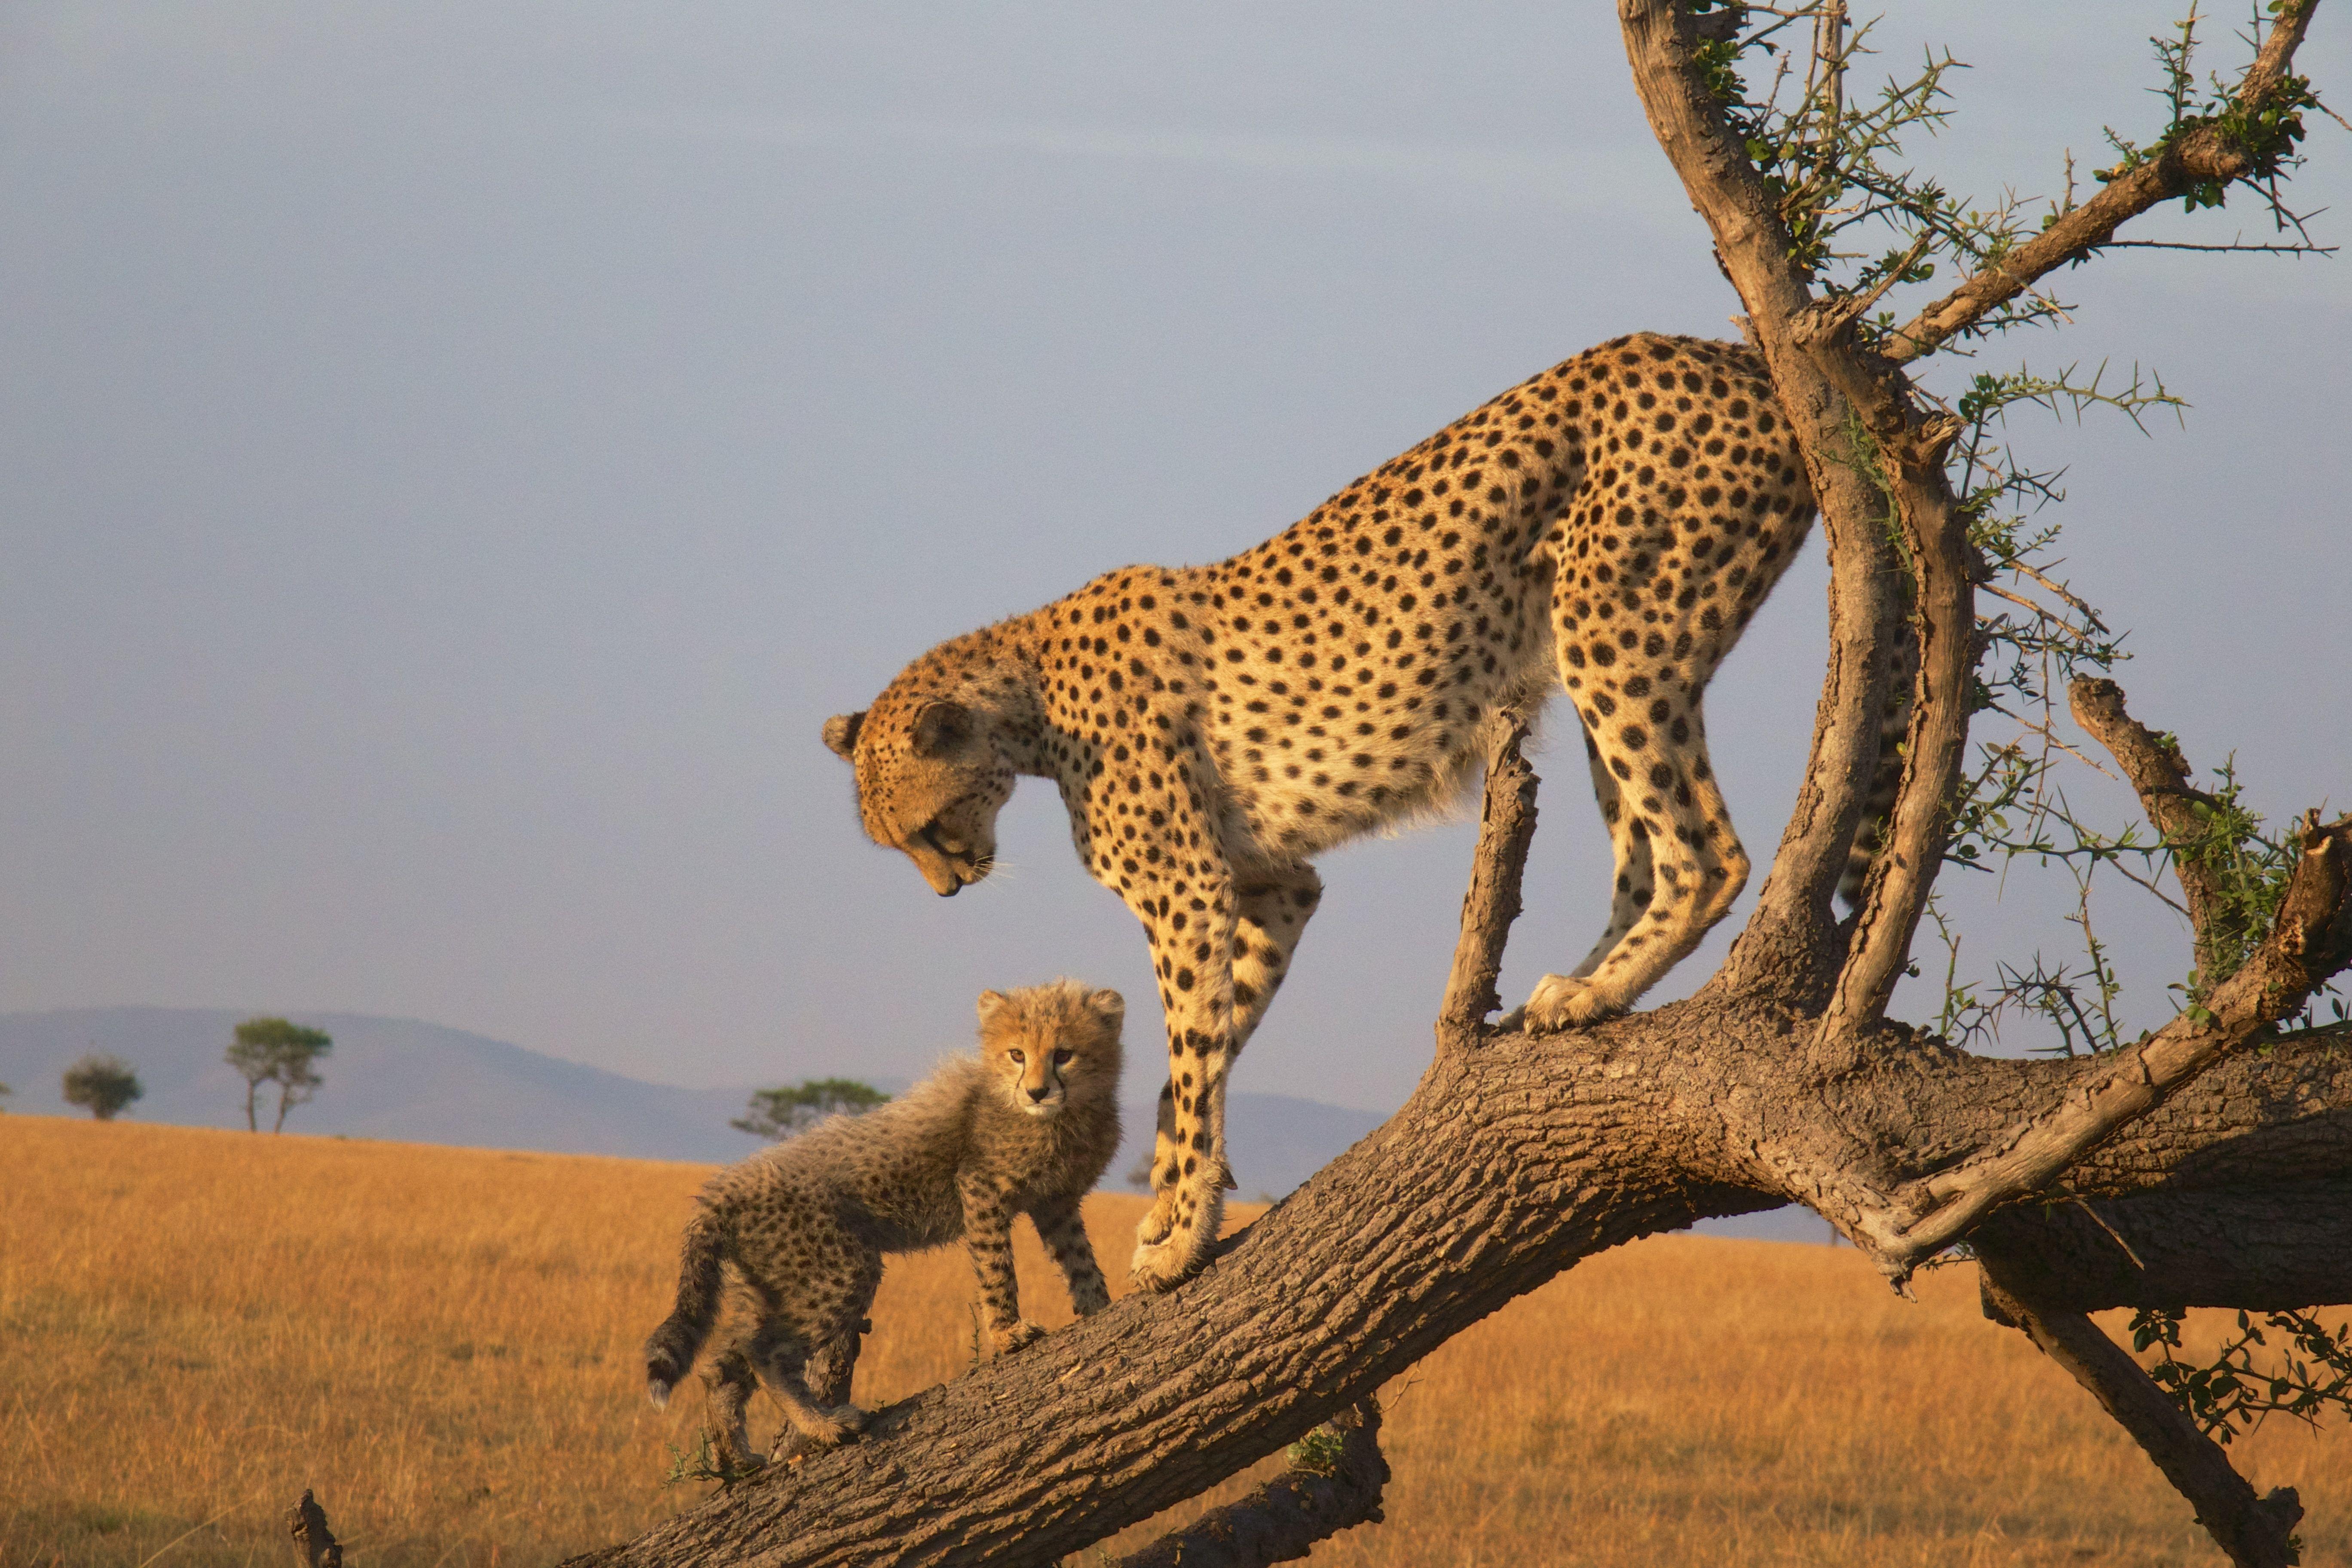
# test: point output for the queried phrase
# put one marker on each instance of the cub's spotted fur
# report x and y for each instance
(1607, 527)
(1026, 1127)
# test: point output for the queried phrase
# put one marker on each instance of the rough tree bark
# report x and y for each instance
(2191, 1171)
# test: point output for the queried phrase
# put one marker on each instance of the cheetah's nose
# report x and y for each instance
(1040, 1092)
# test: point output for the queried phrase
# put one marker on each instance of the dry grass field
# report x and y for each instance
(195, 1325)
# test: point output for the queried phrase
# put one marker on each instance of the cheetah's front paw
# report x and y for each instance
(1560, 1002)
(1162, 1262)
(1158, 1220)
(1018, 1335)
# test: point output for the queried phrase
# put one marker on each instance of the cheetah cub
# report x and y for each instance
(1026, 1127)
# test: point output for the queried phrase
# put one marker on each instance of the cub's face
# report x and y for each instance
(1053, 1046)
(930, 780)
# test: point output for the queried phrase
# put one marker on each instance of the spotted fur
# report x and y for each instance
(1606, 527)
(1026, 1127)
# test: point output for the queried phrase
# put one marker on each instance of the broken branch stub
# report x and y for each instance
(1335, 1484)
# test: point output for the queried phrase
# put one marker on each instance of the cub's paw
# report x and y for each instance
(1021, 1335)
(1560, 1002)
(838, 1425)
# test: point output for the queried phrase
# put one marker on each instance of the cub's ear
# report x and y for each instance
(990, 1003)
(841, 733)
(942, 727)
(1110, 1004)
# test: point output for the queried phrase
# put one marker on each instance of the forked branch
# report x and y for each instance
(1876, 461)
(2309, 944)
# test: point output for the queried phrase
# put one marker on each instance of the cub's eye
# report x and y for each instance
(1062, 1058)
(1016, 1058)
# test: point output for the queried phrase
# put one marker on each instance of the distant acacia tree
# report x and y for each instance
(780, 1113)
(274, 1050)
(105, 1084)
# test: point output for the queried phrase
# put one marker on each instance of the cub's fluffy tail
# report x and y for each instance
(671, 1350)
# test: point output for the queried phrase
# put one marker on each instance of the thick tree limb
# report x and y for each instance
(2255, 1531)
(1283, 1520)
(2160, 774)
(2204, 153)
(2271, 1250)
(1509, 1164)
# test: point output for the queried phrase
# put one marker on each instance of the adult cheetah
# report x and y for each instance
(1608, 526)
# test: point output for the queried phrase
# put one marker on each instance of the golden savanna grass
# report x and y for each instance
(442, 1343)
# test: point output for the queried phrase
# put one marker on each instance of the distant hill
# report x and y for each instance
(401, 1080)
(407, 1081)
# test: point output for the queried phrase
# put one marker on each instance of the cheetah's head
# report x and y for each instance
(1050, 1046)
(930, 780)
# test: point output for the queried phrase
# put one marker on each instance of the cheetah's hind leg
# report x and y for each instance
(781, 1356)
(727, 1379)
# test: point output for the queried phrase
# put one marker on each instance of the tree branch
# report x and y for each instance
(2255, 1532)
(2205, 154)
(1506, 825)
(2160, 774)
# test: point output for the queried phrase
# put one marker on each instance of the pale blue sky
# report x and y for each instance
(452, 458)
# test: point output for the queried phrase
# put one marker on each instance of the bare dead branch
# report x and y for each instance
(2160, 774)
(2201, 154)
(1506, 824)
(1281, 1521)
(2254, 1531)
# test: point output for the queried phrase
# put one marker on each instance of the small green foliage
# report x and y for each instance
(707, 1461)
(780, 1113)
(2309, 1374)
(2247, 869)
(2266, 133)
(1318, 1453)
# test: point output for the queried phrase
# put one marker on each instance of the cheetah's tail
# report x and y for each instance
(671, 1348)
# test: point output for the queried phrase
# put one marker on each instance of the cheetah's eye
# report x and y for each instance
(1062, 1058)
(1016, 1058)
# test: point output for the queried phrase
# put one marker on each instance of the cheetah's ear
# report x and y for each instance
(990, 1003)
(1110, 1006)
(942, 727)
(841, 733)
